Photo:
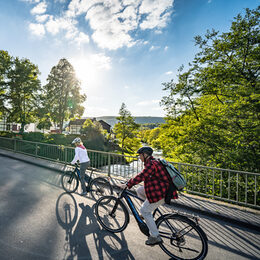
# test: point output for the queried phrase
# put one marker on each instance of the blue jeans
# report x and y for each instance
(83, 167)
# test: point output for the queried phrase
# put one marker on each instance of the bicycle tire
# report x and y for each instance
(186, 240)
(112, 214)
(100, 187)
(70, 181)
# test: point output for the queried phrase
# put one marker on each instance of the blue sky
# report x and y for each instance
(122, 51)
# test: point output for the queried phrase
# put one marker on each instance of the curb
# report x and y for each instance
(217, 216)
(59, 167)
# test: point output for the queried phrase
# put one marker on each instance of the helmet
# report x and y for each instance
(76, 140)
(146, 149)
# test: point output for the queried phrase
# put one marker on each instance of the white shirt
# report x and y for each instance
(81, 155)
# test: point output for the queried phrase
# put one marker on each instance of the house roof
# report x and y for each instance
(80, 122)
(77, 122)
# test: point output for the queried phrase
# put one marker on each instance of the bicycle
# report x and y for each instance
(97, 187)
(182, 236)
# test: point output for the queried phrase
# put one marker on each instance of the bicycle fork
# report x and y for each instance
(142, 226)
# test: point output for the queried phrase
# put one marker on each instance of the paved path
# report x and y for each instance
(39, 221)
(243, 216)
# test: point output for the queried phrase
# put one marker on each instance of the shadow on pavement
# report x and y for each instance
(83, 235)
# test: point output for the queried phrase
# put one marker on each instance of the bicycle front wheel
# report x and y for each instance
(182, 238)
(112, 214)
(100, 187)
(69, 181)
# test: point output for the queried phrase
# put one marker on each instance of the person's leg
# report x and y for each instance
(146, 211)
(141, 192)
(83, 167)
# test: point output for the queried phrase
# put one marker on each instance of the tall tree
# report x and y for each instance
(5, 66)
(214, 109)
(126, 131)
(62, 94)
(22, 89)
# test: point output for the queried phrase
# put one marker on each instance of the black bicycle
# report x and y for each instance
(182, 236)
(96, 186)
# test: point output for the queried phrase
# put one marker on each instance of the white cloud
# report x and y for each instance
(55, 25)
(153, 48)
(101, 61)
(169, 72)
(111, 21)
(39, 8)
(157, 13)
(41, 18)
(37, 29)
(81, 38)
(166, 48)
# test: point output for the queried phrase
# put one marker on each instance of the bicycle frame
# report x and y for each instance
(77, 171)
(142, 225)
(175, 229)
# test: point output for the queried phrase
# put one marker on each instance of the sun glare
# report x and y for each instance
(86, 72)
(91, 70)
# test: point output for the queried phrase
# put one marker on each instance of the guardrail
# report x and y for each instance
(224, 184)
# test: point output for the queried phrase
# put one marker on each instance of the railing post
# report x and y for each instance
(213, 185)
(36, 150)
(109, 164)
(15, 145)
(66, 155)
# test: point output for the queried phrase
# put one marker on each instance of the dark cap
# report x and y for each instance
(145, 149)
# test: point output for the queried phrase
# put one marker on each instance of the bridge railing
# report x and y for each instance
(229, 185)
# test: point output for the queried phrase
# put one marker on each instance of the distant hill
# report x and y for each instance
(139, 120)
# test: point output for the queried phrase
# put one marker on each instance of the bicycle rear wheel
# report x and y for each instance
(70, 181)
(112, 214)
(100, 187)
(182, 237)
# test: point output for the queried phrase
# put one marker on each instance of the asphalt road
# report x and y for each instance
(39, 221)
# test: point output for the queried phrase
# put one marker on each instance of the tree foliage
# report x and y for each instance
(126, 131)
(19, 89)
(61, 97)
(5, 66)
(213, 109)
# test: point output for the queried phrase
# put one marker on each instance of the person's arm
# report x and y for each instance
(76, 157)
(145, 173)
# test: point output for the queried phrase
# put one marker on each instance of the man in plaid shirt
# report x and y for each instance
(156, 183)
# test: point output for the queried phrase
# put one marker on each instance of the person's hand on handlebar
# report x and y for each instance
(122, 185)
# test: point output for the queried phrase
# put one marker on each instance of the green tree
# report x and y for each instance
(5, 66)
(93, 135)
(126, 131)
(213, 109)
(62, 96)
(44, 121)
(92, 128)
(22, 87)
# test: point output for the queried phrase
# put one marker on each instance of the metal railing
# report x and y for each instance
(228, 185)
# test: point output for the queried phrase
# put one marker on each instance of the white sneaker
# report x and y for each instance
(151, 241)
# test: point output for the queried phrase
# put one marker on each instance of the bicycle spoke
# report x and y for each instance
(189, 249)
(182, 238)
(111, 214)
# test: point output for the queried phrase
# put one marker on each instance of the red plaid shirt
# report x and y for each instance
(156, 180)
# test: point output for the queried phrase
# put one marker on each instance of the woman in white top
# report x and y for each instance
(81, 154)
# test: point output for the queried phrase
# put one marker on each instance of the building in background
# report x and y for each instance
(75, 126)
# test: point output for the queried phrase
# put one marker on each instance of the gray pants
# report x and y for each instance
(147, 209)
(83, 167)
